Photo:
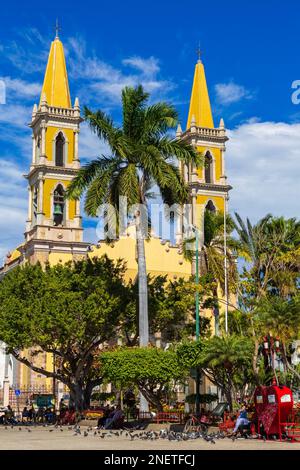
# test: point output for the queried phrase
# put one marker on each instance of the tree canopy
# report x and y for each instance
(153, 370)
(66, 310)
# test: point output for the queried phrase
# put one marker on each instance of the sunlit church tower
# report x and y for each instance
(53, 230)
(208, 185)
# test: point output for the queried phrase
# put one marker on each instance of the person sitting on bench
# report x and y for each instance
(115, 419)
(241, 421)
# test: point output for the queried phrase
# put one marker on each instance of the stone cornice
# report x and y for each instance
(51, 170)
(205, 134)
(221, 188)
(57, 114)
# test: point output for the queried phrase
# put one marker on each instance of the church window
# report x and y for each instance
(35, 203)
(208, 170)
(58, 206)
(210, 206)
(38, 147)
(59, 150)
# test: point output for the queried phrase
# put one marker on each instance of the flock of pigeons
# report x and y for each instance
(134, 434)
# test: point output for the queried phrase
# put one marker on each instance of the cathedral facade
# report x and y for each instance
(54, 230)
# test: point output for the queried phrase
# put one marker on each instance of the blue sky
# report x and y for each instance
(250, 51)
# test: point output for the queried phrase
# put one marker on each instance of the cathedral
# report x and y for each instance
(54, 230)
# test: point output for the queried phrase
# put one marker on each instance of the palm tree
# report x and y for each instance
(272, 247)
(141, 153)
(281, 318)
(212, 254)
(226, 362)
(272, 250)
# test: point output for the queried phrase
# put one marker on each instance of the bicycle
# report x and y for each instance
(196, 424)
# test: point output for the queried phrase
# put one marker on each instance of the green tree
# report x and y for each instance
(141, 154)
(271, 249)
(281, 318)
(226, 362)
(66, 310)
(154, 371)
(211, 255)
(171, 309)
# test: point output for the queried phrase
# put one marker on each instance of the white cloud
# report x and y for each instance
(228, 93)
(21, 89)
(90, 146)
(146, 66)
(105, 82)
(13, 208)
(15, 115)
(263, 165)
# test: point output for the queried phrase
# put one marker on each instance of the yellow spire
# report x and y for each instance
(56, 86)
(200, 110)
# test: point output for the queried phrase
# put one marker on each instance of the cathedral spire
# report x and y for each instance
(56, 86)
(200, 109)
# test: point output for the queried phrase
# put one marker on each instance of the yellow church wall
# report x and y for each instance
(56, 258)
(218, 200)
(160, 259)
(217, 158)
(49, 186)
(50, 136)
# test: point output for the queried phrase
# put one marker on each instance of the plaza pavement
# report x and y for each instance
(50, 438)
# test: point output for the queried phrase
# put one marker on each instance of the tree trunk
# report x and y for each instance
(287, 364)
(143, 298)
(152, 398)
(143, 290)
(216, 313)
(87, 392)
(77, 396)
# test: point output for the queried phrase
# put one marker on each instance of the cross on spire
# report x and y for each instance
(57, 29)
(199, 52)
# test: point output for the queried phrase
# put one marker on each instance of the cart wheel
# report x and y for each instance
(188, 426)
(203, 428)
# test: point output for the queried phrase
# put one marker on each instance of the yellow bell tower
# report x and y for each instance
(208, 185)
(53, 230)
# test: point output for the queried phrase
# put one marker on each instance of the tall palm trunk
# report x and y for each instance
(143, 290)
(143, 300)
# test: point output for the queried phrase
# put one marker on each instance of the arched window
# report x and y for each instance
(58, 206)
(34, 204)
(210, 206)
(208, 171)
(59, 150)
(38, 148)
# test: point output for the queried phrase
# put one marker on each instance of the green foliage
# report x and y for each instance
(127, 366)
(141, 153)
(189, 353)
(153, 370)
(227, 362)
(67, 310)
(171, 309)
(272, 249)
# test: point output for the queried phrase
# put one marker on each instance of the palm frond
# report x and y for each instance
(87, 174)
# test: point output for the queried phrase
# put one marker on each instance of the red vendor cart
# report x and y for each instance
(276, 411)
